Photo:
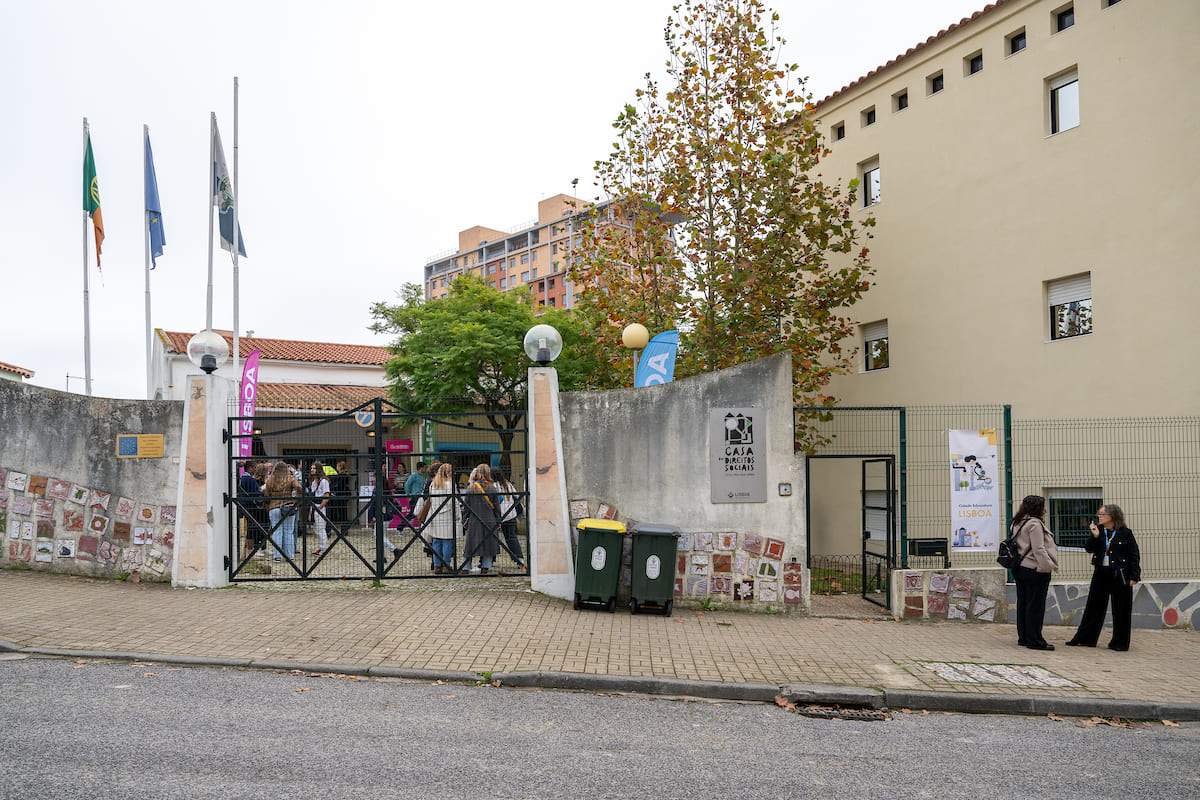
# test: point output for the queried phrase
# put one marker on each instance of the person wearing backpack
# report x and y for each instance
(1039, 560)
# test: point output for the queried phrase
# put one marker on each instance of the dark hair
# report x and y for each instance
(1034, 505)
(1115, 515)
(420, 464)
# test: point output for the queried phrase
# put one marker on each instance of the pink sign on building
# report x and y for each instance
(395, 447)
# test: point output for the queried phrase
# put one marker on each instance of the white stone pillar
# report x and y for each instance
(202, 522)
(552, 571)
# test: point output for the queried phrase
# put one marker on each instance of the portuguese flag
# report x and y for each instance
(91, 196)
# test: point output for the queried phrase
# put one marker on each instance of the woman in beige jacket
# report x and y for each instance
(1039, 560)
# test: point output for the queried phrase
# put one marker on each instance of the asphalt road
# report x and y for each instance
(117, 730)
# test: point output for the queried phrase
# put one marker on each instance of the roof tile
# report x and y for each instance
(289, 349)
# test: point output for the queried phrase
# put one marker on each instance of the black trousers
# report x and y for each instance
(1104, 586)
(1031, 604)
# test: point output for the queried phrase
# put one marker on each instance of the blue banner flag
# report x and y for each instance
(657, 364)
(223, 197)
(153, 209)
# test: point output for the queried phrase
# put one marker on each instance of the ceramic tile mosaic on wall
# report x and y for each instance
(1156, 605)
(969, 595)
(95, 527)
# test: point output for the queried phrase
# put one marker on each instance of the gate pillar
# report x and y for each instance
(202, 523)
(552, 570)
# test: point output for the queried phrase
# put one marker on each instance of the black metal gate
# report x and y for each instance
(879, 547)
(367, 526)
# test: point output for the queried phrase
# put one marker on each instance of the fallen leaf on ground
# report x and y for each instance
(304, 689)
(149, 674)
(1170, 724)
(1056, 717)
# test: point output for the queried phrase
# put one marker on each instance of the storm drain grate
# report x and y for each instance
(836, 712)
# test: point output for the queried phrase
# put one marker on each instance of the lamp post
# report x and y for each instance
(635, 337)
(543, 344)
(208, 350)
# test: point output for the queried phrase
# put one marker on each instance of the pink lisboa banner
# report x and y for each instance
(246, 400)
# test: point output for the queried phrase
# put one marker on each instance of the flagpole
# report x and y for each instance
(237, 232)
(87, 324)
(212, 191)
(146, 182)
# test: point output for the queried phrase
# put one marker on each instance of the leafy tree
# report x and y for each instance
(464, 351)
(765, 256)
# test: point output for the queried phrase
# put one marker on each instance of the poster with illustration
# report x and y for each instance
(975, 491)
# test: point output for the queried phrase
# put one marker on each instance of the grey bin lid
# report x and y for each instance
(654, 527)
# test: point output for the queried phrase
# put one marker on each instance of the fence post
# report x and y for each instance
(1008, 468)
(903, 491)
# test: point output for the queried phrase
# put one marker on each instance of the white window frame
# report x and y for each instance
(865, 169)
(1054, 86)
(875, 332)
(1065, 291)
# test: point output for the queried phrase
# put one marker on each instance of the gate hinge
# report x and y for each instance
(224, 498)
(225, 437)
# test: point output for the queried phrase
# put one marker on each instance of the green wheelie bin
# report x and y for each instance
(652, 581)
(598, 563)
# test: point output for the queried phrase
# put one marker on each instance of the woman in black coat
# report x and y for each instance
(1118, 566)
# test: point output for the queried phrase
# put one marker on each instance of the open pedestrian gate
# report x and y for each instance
(370, 528)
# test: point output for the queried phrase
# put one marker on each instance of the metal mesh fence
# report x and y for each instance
(1148, 466)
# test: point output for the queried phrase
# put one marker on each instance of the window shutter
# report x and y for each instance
(1070, 290)
(1078, 493)
(875, 330)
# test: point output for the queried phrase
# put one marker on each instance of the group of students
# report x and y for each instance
(487, 506)
(1116, 563)
(271, 493)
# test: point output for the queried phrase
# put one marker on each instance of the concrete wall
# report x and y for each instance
(643, 455)
(1161, 604)
(94, 513)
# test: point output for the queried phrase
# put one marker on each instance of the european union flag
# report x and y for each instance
(153, 208)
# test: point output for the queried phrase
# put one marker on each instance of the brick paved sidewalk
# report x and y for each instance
(499, 625)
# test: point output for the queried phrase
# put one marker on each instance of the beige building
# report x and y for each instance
(1024, 169)
(532, 254)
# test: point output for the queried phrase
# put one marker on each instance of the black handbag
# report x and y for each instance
(286, 510)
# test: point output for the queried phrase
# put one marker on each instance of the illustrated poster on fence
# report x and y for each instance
(975, 491)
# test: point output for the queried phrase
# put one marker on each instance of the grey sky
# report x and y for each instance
(370, 134)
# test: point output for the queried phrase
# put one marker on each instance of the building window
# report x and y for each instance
(1070, 301)
(1064, 102)
(491, 267)
(973, 63)
(532, 256)
(935, 83)
(549, 283)
(1069, 513)
(839, 131)
(1110, 3)
(1016, 42)
(900, 100)
(503, 280)
(869, 170)
(524, 258)
(512, 262)
(553, 248)
(1064, 18)
(875, 345)
(551, 299)
(533, 273)
(525, 276)
(868, 117)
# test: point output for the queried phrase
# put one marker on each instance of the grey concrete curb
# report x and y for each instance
(803, 693)
(800, 694)
(1041, 705)
(716, 690)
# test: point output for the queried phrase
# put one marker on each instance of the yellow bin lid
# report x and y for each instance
(601, 525)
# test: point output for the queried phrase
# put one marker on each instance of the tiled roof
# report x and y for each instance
(24, 373)
(288, 349)
(912, 50)
(315, 397)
